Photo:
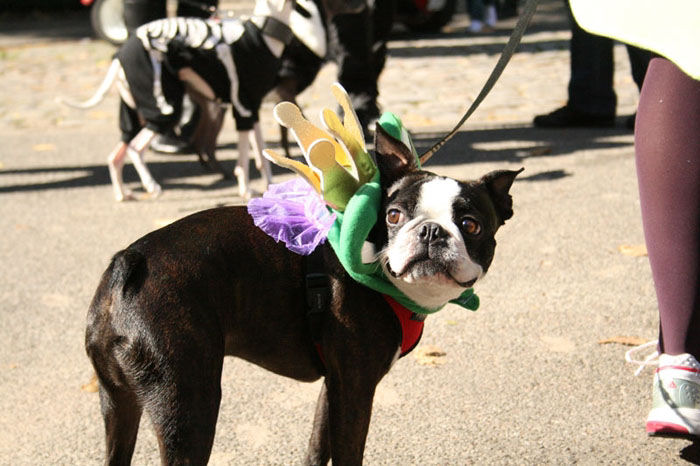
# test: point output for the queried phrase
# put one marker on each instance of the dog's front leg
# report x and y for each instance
(319, 451)
(349, 411)
(261, 163)
(135, 152)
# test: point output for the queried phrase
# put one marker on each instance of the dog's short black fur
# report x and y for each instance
(175, 302)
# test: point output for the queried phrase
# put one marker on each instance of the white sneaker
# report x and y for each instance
(675, 408)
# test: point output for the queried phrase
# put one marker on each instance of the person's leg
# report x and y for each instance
(490, 13)
(351, 38)
(592, 99)
(476, 10)
(138, 12)
(667, 144)
(591, 84)
(639, 62)
(477, 16)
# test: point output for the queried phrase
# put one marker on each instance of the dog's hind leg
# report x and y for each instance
(184, 405)
(261, 163)
(121, 409)
(242, 170)
(135, 151)
(121, 413)
(115, 163)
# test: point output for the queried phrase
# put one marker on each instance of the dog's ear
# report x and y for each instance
(394, 159)
(498, 184)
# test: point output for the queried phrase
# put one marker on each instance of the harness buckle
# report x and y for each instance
(318, 292)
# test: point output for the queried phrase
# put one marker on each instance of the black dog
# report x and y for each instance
(175, 302)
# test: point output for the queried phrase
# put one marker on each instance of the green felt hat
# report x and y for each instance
(341, 170)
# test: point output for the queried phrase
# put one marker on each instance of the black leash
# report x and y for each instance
(506, 54)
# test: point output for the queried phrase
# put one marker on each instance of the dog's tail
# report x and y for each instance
(99, 95)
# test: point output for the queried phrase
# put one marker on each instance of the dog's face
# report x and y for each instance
(437, 235)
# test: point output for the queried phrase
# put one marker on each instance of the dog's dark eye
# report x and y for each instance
(470, 226)
(394, 216)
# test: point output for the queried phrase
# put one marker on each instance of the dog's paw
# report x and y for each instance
(124, 196)
(154, 192)
(249, 194)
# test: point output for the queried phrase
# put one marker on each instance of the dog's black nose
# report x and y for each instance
(431, 232)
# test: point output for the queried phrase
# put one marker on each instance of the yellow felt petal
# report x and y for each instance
(362, 165)
(288, 115)
(350, 120)
(332, 122)
(322, 155)
(297, 167)
(337, 184)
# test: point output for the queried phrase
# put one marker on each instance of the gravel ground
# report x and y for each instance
(525, 380)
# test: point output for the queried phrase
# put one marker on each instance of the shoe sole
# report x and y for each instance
(672, 423)
(666, 429)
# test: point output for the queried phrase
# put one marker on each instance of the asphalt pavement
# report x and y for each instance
(527, 379)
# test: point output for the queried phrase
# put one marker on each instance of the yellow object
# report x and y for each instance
(297, 167)
(338, 163)
(351, 122)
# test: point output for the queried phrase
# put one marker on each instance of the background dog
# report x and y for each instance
(217, 62)
(174, 303)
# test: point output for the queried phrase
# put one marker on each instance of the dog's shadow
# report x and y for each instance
(179, 172)
(513, 144)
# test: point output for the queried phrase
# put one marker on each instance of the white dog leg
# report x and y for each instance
(135, 151)
(261, 163)
(242, 167)
(115, 163)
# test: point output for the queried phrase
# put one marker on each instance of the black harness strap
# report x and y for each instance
(276, 29)
(318, 298)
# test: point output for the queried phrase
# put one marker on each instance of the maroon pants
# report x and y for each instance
(667, 145)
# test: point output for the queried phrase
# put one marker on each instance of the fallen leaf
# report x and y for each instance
(624, 340)
(633, 250)
(43, 147)
(540, 151)
(430, 356)
(92, 386)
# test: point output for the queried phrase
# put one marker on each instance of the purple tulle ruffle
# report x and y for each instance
(294, 213)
